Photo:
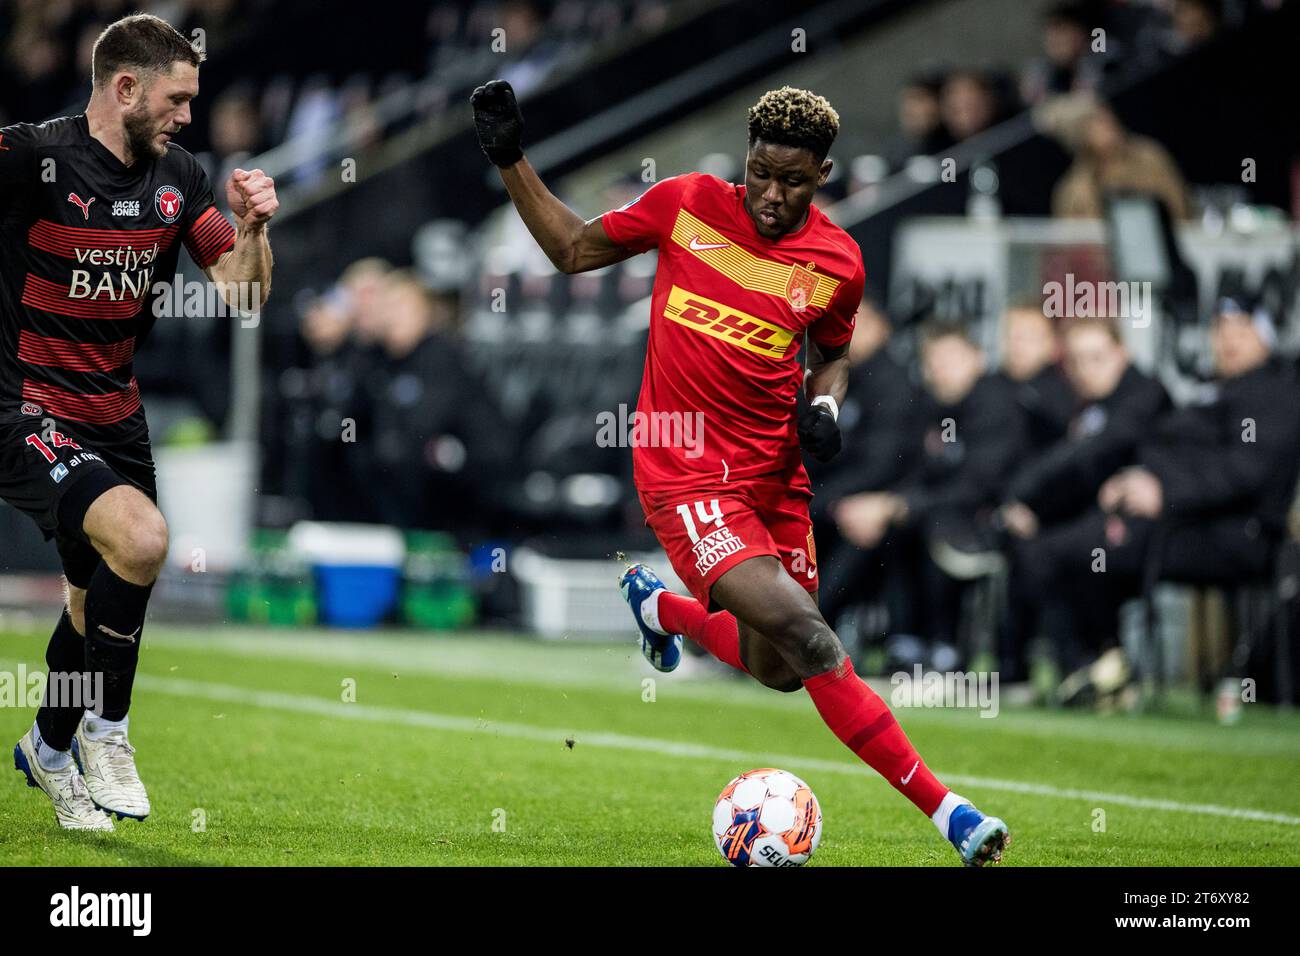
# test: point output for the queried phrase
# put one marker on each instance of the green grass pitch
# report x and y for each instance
(456, 752)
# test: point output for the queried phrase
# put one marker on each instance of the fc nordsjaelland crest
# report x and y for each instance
(168, 201)
(801, 285)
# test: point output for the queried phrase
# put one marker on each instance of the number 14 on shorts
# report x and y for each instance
(714, 544)
(58, 440)
(712, 516)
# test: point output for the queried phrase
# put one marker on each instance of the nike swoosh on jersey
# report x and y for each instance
(698, 246)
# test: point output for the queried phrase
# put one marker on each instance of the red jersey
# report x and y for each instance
(727, 318)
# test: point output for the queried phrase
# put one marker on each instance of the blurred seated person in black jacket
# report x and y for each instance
(1116, 405)
(1204, 503)
(881, 444)
(322, 398)
(1031, 353)
(436, 451)
(971, 436)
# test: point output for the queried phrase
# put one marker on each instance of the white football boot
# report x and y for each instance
(108, 764)
(66, 788)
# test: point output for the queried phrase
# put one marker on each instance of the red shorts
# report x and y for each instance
(708, 533)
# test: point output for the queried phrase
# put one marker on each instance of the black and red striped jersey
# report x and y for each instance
(85, 241)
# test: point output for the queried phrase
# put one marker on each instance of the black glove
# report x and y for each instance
(499, 123)
(818, 433)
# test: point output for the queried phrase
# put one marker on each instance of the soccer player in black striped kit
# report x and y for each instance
(93, 211)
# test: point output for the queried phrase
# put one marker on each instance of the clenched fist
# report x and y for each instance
(498, 121)
(251, 196)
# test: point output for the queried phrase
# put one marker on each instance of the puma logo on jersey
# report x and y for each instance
(82, 204)
(121, 637)
(698, 246)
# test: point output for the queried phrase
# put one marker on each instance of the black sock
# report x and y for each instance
(114, 626)
(65, 659)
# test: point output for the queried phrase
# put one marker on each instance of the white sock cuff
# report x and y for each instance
(951, 801)
(650, 612)
(47, 756)
(97, 726)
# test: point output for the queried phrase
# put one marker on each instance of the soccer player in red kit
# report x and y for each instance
(744, 273)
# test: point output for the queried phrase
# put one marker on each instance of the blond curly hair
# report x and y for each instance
(794, 117)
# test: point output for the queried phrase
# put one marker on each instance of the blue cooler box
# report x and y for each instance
(357, 568)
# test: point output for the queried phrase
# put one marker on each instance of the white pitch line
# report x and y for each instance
(302, 703)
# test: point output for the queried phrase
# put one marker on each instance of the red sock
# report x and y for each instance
(856, 714)
(718, 633)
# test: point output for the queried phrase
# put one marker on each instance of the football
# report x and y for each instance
(767, 818)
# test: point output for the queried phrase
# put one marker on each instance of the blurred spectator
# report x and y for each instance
(234, 134)
(1195, 22)
(531, 54)
(327, 324)
(234, 125)
(879, 421)
(1117, 403)
(1108, 158)
(436, 451)
(972, 436)
(920, 122)
(311, 125)
(362, 127)
(968, 104)
(36, 66)
(385, 423)
(1205, 503)
(328, 399)
(364, 281)
(319, 439)
(1068, 64)
(1030, 366)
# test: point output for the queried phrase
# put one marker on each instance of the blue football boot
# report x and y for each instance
(977, 839)
(663, 651)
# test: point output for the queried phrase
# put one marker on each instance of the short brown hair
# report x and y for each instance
(1107, 325)
(1029, 302)
(142, 41)
(1028, 307)
(936, 329)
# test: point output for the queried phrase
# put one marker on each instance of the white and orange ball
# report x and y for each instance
(767, 818)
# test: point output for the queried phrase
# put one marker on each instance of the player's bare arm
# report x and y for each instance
(572, 243)
(826, 384)
(828, 371)
(252, 199)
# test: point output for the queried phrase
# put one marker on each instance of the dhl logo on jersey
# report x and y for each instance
(730, 325)
(800, 286)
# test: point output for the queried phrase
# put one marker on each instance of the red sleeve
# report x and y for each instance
(210, 236)
(835, 327)
(647, 220)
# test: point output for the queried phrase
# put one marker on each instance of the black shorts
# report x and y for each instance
(52, 475)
